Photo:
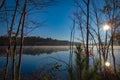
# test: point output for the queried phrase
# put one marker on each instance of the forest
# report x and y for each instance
(36, 41)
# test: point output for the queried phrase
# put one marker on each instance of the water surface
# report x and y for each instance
(46, 61)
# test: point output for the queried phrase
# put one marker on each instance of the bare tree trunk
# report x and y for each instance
(113, 54)
(114, 64)
(99, 50)
(71, 50)
(6, 69)
(11, 28)
(105, 46)
(99, 39)
(7, 56)
(18, 29)
(2, 4)
(22, 39)
(100, 58)
(87, 40)
(81, 29)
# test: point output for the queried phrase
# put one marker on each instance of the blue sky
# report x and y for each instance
(57, 19)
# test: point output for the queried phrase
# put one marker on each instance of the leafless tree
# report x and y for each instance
(16, 28)
(86, 14)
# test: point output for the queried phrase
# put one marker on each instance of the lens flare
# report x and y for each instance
(107, 64)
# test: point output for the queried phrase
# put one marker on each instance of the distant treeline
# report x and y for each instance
(35, 41)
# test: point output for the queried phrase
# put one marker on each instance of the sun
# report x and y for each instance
(106, 27)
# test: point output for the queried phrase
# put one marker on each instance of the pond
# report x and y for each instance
(47, 62)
